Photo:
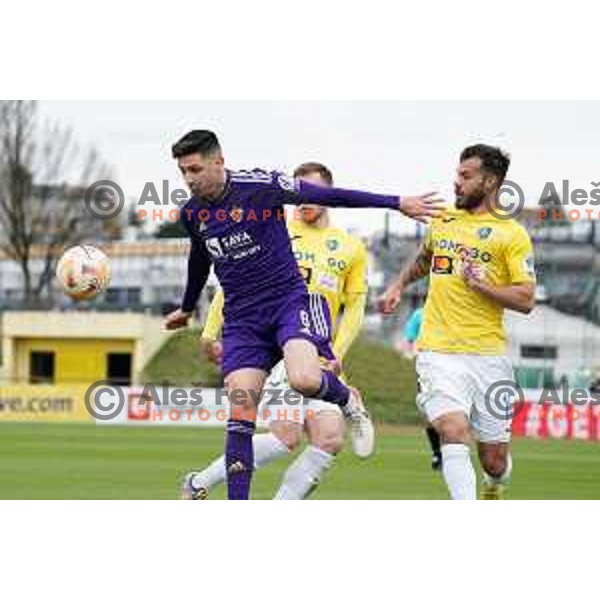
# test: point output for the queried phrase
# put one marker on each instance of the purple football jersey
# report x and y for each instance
(243, 233)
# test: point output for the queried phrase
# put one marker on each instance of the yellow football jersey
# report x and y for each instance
(332, 262)
(457, 318)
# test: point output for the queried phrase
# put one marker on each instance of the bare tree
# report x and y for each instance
(40, 214)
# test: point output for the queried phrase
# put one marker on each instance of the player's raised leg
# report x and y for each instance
(308, 377)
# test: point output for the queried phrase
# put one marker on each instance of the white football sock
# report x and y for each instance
(458, 472)
(304, 474)
(267, 448)
(504, 478)
(213, 475)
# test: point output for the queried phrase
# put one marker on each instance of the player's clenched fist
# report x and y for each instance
(335, 366)
(388, 302)
(177, 320)
(472, 274)
(422, 208)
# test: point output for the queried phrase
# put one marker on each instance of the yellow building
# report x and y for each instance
(77, 347)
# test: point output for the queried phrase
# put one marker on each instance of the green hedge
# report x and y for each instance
(180, 362)
(386, 379)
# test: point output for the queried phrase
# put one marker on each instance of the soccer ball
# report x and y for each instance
(83, 272)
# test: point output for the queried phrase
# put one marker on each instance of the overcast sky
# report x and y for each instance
(400, 147)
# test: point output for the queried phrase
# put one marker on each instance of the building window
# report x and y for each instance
(123, 296)
(41, 367)
(118, 368)
(539, 352)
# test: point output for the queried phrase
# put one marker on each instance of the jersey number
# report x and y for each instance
(305, 320)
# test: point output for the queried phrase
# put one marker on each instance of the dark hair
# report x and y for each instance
(199, 141)
(493, 160)
(314, 167)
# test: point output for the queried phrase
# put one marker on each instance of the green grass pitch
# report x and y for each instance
(85, 461)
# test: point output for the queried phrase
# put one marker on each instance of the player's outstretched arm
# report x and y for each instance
(411, 272)
(421, 208)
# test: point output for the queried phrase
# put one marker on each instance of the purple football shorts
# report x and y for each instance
(255, 340)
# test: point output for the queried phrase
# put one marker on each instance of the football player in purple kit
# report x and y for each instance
(236, 222)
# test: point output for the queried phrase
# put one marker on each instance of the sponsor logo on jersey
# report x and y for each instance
(484, 233)
(332, 245)
(237, 214)
(333, 263)
(213, 245)
(462, 250)
(308, 257)
(328, 282)
(221, 247)
(237, 240)
(442, 265)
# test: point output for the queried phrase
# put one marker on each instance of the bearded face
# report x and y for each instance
(469, 200)
(472, 185)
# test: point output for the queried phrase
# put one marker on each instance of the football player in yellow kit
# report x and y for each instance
(334, 266)
(480, 262)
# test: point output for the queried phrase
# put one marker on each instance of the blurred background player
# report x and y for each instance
(234, 220)
(334, 266)
(479, 265)
(410, 335)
